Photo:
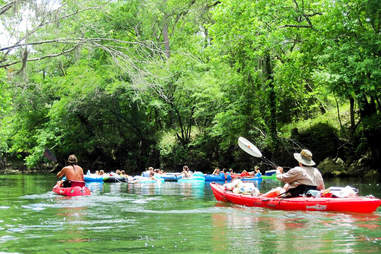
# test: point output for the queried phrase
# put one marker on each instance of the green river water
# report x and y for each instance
(171, 218)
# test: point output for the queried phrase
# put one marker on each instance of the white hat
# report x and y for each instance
(304, 157)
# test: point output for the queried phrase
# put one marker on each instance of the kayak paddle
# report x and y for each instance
(50, 156)
(251, 149)
(248, 147)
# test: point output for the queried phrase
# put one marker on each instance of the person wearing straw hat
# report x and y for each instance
(302, 178)
(72, 172)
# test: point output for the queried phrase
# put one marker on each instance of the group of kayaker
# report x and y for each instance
(255, 173)
(151, 172)
(118, 172)
(298, 180)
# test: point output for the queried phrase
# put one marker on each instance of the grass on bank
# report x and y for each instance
(330, 117)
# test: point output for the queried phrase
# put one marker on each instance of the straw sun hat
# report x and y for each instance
(304, 157)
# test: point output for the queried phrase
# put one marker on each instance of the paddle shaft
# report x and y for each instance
(251, 149)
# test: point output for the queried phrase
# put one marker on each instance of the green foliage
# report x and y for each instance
(350, 49)
(173, 82)
(5, 109)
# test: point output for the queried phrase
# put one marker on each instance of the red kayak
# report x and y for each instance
(352, 204)
(72, 191)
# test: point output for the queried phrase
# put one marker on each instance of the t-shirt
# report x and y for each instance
(301, 175)
(146, 174)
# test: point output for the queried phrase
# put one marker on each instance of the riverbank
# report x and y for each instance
(9, 171)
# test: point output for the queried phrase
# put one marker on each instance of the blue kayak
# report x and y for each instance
(93, 178)
(217, 178)
(191, 180)
(142, 179)
(150, 181)
(196, 177)
(171, 177)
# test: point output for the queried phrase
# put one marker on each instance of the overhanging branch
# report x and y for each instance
(40, 58)
(297, 26)
(42, 24)
(6, 7)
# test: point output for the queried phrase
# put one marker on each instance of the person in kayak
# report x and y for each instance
(186, 172)
(302, 178)
(72, 172)
(148, 172)
(257, 172)
(244, 173)
(216, 171)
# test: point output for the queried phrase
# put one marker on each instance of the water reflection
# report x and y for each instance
(73, 217)
(327, 232)
(195, 189)
(145, 188)
(116, 188)
(95, 187)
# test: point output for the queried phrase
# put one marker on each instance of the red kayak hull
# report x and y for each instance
(72, 191)
(354, 204)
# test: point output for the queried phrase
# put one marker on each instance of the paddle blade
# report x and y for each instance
(50, 155)
(248, 147)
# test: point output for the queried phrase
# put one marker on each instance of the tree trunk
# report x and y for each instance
(338, 114)
(166, 39)
(372, 133)
(272, 100)
(165, 32)
(352, 116)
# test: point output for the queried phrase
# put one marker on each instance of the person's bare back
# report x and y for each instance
(72, 173)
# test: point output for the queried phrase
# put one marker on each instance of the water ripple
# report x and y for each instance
(189, 211)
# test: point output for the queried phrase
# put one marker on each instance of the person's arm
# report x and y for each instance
(61, 173)
(320, 182)
(82, 176)
(292, 175)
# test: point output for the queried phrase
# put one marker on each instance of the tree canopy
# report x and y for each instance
(129, 84)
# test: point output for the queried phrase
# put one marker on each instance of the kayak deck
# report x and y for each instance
(353, 204)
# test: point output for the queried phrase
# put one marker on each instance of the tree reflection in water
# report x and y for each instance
(264, 230)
